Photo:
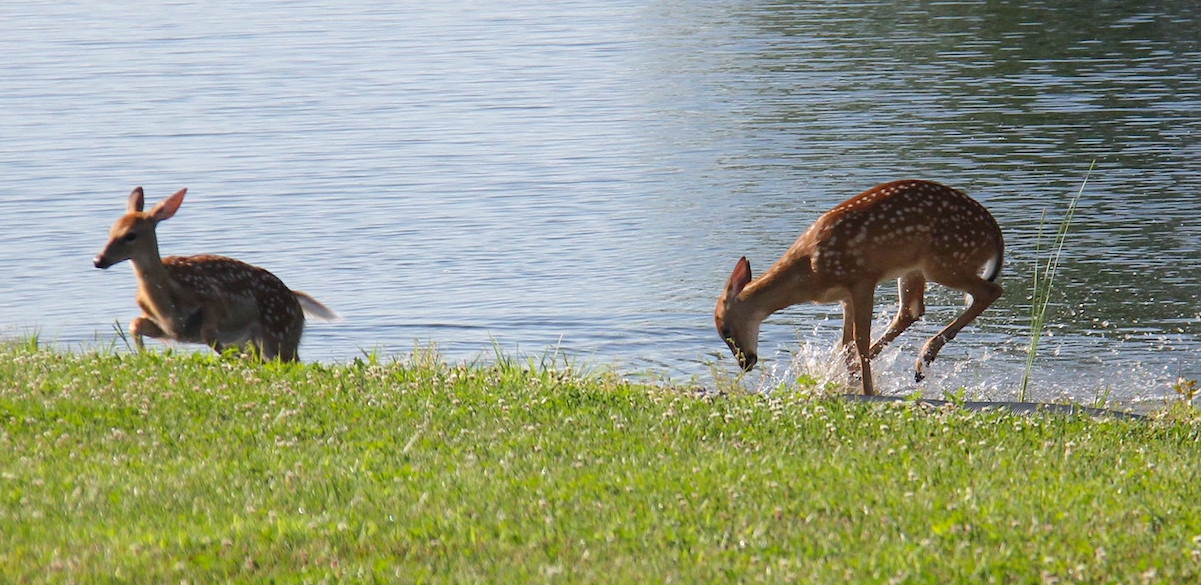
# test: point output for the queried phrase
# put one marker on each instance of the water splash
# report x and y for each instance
(973, 372)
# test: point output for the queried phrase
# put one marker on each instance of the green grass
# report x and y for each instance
(1043, 283)
(190, 468)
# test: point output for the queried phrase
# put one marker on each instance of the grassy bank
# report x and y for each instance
(153, 469)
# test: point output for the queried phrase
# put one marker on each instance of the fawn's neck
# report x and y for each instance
(790, 281)
(156, 287)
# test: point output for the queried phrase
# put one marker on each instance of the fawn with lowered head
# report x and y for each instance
(214, 300)
(914, 231)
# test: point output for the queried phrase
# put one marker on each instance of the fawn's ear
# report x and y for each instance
(136, 200)
(167, 207)
(739, 278)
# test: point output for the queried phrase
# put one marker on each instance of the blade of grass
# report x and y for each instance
(1042, 287)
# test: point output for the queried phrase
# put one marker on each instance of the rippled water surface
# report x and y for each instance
(581, 176)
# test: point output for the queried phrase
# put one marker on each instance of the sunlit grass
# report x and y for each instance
(155, 468)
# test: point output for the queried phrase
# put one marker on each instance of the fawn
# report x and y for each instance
(914, 231)
(218, 301)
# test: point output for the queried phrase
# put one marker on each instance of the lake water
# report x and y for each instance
(581, 176)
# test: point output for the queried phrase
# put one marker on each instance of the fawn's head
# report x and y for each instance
(132, 236)
(736, 324)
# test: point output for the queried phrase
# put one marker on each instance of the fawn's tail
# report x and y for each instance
(313, 308)
(994, 266)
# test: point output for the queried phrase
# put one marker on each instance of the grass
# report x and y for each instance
(1042, 287)
(153, 468)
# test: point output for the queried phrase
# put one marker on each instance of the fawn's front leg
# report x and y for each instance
(144, 326)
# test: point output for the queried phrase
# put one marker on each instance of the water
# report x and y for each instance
(580, 177)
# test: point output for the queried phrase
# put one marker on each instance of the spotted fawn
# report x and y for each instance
(218, 301)
(914, 231)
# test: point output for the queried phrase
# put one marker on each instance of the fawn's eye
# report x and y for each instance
(131, 236)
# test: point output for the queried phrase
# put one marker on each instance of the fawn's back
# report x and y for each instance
(242, 301)
(897, 227)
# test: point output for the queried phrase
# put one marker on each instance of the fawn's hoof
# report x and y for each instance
(918, 376)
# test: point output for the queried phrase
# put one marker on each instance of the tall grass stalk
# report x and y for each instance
(1044, 281)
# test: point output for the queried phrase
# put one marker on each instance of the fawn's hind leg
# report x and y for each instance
(983, 293)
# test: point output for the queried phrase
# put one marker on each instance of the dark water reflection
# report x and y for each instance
(582, 175)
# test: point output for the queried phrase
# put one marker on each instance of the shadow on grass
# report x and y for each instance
(1014, 407)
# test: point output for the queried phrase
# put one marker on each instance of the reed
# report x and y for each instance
(1043, 283)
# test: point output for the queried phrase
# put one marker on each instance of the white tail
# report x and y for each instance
(214, 300)
(914, 231)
